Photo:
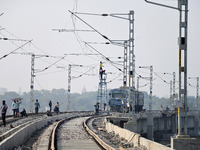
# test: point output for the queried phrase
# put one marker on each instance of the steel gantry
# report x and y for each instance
(183, 28)
(102, 98)
(102, 93)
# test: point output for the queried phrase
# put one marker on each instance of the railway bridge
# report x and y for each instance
(83, 130)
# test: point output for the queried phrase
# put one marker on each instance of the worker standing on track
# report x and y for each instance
(14, 108)
(37, 106)
(4, 108)
(50, 105)
(18, 104)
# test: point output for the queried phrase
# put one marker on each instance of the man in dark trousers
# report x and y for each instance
(37, 106)
(4, 108)
(50, 105)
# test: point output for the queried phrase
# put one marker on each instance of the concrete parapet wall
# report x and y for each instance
(135, 138)
(151, 145)
(131, 137)
(25, 132)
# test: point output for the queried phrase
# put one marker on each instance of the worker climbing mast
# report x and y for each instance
(102, 91)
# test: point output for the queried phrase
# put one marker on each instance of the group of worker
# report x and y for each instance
(16, 107)
(37, 106)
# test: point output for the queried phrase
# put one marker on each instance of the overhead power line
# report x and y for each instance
(84, 73)
(13, 39)
(105, 37)
(78, 54)
(116, 15)
(103, 56)
(15, 50)
(72, 30)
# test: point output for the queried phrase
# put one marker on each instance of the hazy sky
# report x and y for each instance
(156, 42)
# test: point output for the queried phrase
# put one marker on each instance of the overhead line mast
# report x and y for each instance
(33, 56)
(130, 18)
(69, 84)
(183, 29)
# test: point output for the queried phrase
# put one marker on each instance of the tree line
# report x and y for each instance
(79, 102)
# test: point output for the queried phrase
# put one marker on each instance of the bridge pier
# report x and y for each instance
(196, 123)
(131, 125)
(150, 126)
(174, 123)
(165, 122)
(184, 142)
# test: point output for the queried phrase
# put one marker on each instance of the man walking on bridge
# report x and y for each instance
(37, 106)
(4, 108)
(50, 106)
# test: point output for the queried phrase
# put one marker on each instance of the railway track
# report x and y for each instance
(23, 128)
(75, 133)
(76, 130)
(66, 132)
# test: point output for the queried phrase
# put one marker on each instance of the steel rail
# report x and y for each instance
(95, 136)
(52, 139)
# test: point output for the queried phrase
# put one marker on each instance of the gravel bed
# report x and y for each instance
(73, 129)
(33, 142)
(111, 138)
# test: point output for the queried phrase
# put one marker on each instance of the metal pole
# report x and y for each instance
(170, 95)
(183, 23)
(69, 86)
(197, 96)
(174, 85)
(125, 65)
(125, 74)
(138, 80)
(101, 94)
(151, 87)
(32, 83)
(131, 65)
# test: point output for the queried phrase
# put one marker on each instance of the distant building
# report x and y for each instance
(3, 90)
(84, 90)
